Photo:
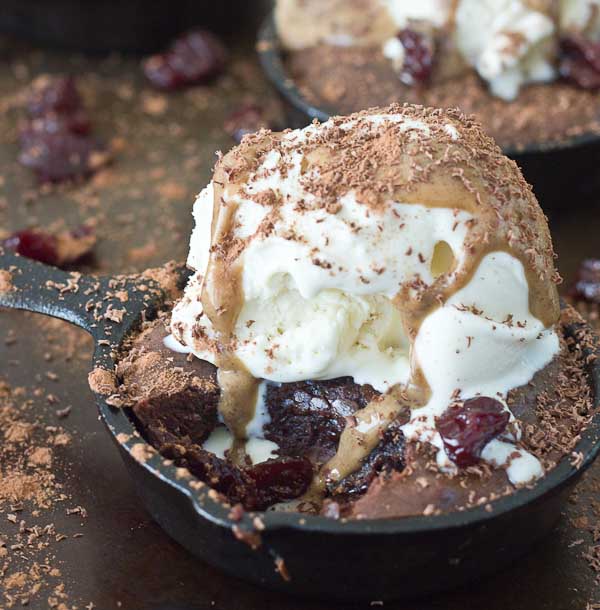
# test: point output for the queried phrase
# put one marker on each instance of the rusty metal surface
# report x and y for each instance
(141, 207)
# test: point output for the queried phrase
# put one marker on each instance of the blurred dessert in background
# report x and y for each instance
(499, 59)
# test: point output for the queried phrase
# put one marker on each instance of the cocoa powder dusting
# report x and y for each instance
(29, 493)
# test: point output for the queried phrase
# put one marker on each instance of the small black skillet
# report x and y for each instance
(554, 169)
(308, 555)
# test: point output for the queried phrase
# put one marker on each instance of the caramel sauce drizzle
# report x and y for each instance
(222, 299)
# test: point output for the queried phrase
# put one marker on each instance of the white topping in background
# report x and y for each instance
(304, 23)
(435, 12)
(581, 16)
(340, 40)
(508, 43)
(393, 49)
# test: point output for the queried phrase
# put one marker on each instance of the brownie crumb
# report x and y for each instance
(102, 382)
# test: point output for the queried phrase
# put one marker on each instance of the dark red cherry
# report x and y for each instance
(418, 57)
(245, 120)
(55, 105)
(466, 429)
(53, 94)
(38, 245)
(280, 479)
(580, 61)
(61, 155)
(256, 487)
(56, 249)
(587, 281)
(194, 58)
(55, 141)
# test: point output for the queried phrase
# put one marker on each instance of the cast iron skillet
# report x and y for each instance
(309, 555)
(552, 168)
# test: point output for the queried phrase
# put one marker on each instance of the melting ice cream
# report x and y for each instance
(397, 247)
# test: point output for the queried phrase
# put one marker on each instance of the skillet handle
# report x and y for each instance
(106, 307)
(44, 289)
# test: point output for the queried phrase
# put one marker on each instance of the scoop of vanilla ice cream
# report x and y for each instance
(325, 288)
(507, 42)
(325, 315)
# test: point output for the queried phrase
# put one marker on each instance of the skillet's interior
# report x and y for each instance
(187, 509)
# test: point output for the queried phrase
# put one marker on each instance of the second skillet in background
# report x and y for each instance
(550, 128)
